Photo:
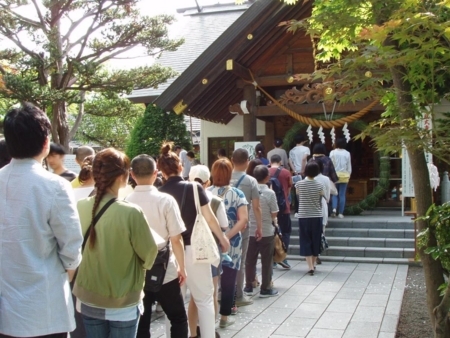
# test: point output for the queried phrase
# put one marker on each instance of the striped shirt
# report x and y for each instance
(309, 194)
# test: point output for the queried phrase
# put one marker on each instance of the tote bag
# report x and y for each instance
(204, 247)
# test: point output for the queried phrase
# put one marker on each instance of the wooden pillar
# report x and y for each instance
(250, 119)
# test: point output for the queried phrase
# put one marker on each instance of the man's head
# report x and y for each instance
(240, 158)
(143, 169)
(83, 152)
(275, 159)
(190, 155)
(177, 149)
(299, 139)
(278, 142)
(27, 131)
(261, 174)
(55, 158)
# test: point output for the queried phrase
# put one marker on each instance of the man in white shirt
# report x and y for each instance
(184, 161)
(298, 155)
(40, 234)
(163, 216)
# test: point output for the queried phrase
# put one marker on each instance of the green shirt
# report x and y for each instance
(111, 275)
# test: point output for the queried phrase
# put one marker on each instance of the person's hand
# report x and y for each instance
(71, 274)
(225, 243)
(181, 276)
(258, 234)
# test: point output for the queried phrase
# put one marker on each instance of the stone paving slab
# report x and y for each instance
(342, 300)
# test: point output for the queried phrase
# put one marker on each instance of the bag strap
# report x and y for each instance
(196, 198)
(240, 180)
(277, 173)
(96, 218)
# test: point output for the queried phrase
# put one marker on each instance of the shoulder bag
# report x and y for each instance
(279, 249)
(154, 277)
(204, 248)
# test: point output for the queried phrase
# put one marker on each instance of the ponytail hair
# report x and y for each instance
(108, 165)
(260, 151)
(168, 161)
(86, 169)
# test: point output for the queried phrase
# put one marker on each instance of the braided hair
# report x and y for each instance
(108, 165)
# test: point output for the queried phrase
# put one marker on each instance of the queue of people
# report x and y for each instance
(112, 248)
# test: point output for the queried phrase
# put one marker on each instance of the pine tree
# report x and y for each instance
(155, 127)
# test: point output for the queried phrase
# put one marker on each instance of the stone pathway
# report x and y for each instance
(348, 300)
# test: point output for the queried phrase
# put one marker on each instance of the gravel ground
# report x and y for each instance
(414, 320)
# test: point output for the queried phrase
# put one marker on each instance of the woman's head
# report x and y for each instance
(221, 172)
(86, 169)
(319, 149)
(109, 166)
(312, 169)
(168, 162)
(260, 151)
(251, 166)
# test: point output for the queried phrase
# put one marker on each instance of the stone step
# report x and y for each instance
(354, 232)
(348, 251)
(365, 242)
(363, 224)
(375, 260)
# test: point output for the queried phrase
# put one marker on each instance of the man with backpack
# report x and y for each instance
(281, 181)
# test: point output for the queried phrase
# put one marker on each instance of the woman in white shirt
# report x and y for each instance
(343, 165)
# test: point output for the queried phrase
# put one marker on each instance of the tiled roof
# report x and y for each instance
(200, 30)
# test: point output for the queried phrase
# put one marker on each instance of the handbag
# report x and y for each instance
(323, 244)
(343, 176)
(204, 247)
(155, 276)
(279, 249)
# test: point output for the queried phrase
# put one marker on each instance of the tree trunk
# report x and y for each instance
(434, 276)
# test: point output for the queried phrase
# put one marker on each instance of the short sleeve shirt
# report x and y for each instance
(163, 216)
(282, 153)
(233, 199)
(285, 179)
(175, 186)
(297, 154)
(268, 202)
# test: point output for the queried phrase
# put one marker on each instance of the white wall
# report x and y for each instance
(234, 128)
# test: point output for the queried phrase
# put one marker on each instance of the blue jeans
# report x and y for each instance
(101, 328)
(342, 191)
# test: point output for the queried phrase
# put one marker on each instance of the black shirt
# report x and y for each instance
(175, 187)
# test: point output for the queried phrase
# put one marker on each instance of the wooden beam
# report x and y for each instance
(276, 81)
(239, 70)
(315, 108)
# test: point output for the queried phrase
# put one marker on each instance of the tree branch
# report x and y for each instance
(41, 18)
(22, 18)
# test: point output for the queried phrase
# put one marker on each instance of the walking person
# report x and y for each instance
(164, 218)
(119, 246)
(278, 150)
(283, 216)
(310, 194)
(343, 165)
(265, 245)
(297, 161)
(237, 214)
(249, 186)
(200, 283)
(40, 234)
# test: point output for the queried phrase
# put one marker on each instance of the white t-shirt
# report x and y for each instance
(163, 216)
(296, 155)
(221, 214)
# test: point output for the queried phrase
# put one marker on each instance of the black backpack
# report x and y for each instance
(278, 189)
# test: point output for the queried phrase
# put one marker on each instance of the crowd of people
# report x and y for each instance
(89, 254)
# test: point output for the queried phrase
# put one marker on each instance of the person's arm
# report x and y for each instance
(242, 213)
(221, 215)
(214, 226)
(304, 160)
(65, 224)
(291, 164)
(349, 164)
(178, 251)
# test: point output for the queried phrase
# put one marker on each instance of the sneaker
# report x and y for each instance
(243, 301)
(234, 310)
(340, 216)
(296, 215)
(225, 323)
(285, 264)
(248, 291)
(333, 214)
(268, 293)
(159, 309)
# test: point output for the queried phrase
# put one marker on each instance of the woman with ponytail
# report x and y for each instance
(260, 152)
(199, 278)
(119, 248)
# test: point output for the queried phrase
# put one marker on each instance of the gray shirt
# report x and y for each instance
(40, 237)
(268, 203)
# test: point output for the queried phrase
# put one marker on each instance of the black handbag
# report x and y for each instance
(154, 277)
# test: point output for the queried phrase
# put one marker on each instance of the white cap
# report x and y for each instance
(199, 171)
